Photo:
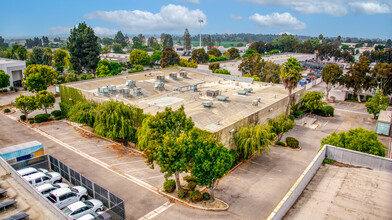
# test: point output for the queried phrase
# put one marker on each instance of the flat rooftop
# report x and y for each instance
(220, 115)
(345, 193)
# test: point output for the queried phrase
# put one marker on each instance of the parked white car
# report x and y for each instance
(66, 196)
(81, 208)
(37, 179)
(94, 216)
(30, 170)
(46, 188)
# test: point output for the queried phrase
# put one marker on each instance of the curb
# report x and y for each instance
(194, 206)
(287, 148)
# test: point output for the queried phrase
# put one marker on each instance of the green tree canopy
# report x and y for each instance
(252, 65)
(358, 139)
(280, 125)
(377, 103)
(331, 75)
(26, 104)
(169, 57)
(48, 73)
(156, 56)
(139, 57)
(200, 56)
(270, 72)
(383, 74)
(45, 100)
(187, 40)
(35, 82)
(312, 100)
(4, 79)
(117, 48)
(83, 48)
(60, 59)
(214, 52)
(232, 53)
(258, 46)
(290, 75)
(120, 39)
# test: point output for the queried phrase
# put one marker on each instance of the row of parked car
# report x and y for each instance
(71, 200)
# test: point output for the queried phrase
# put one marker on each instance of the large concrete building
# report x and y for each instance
(15, 69)
(154, 91)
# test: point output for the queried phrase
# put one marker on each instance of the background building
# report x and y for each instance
(15, 69)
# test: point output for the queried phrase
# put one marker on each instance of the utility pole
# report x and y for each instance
(200, 21)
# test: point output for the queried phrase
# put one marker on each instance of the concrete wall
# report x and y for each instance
(334, 153)
(223, 76)
(296, 190)
(359, 158)
(313, 83)
(260, 117)
(57, 212)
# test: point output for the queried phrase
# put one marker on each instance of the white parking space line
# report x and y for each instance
(134, 170)
(153, 177)
(345, 110)
(127, 162)
(157, 211)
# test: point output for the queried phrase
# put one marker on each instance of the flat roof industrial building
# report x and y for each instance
(264, 101)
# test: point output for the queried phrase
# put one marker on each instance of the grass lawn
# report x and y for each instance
(224, 43)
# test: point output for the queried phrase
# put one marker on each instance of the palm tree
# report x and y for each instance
(290, 75)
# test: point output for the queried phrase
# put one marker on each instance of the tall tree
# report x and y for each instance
(252, 65)
(383, 74)
(199, 55)
(2, 43)
(290, 75)
(48, 74)
(232, 53)
(270, 73)
(258, 46)
(150, 41)
(331, 76)
(60, 59)
(141, 38)
(4, 79)
(45, 100)
(357, 78)
(158, 138)
(35, 82)
(280, 125)
(167, 40)
(169, 57)
(83, 48)
(120, 39)
(45, 41)
(26, 104)
(210, 42)
(187, 40)
(117, 48)
(388, 44)
(214, 52)
(377, 103)
(139, 57)
(21, 53)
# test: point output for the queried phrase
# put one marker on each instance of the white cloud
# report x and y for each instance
(104, 31)
(284, 21)
(194, 1)
(235, 17)
(370, 8)
(60, 30)
(331, 7)
(170, 18)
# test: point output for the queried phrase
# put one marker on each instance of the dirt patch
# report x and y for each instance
(84, 133)
(122, 151)
(340, 164)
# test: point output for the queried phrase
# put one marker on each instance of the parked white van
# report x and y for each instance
(30, 170)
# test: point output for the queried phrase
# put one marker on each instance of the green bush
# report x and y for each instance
(217, 59)
(192, 185)
(297, 113)
(206, 196)
(56, 113)
(7, 110)
(22, 117)
(327, 111)
(292, 142)
(169, 185)
(213, 66)
(31, 120)
(195, 196)
(42, 118)
(189, 178)
(139, 68)
(59, 117)
(280, 143)
(222, 71)
(182, 193)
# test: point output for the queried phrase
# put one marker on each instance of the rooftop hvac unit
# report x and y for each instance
(241, 92)
(160, 78)
(212, 93)
(112, 89)
(222, 98)
(248, 90)
(184, 74)
(130, 84)
(255, 102)
(124, 92)
(159, 86)
(173, 76)
(137, 91)
(207, 104)
(103, 91)
(193, 87)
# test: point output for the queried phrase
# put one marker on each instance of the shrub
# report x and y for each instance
(31, 120)
(292, 142)
(56, 113)
(297, 113)
(213, 66)
(327, 111)
(217, 59)
(206, 196)
(139, 68)
(23, 117)
(280, 143)
(192, 185)
(169, 185)
(222, 71)
(59, 117)
(7, 110)
(195, 196)
(189, 178)
(182, 193)
(42, 118)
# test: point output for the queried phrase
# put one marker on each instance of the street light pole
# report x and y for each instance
(200, 21)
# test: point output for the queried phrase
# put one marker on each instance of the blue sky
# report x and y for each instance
(354, 18)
